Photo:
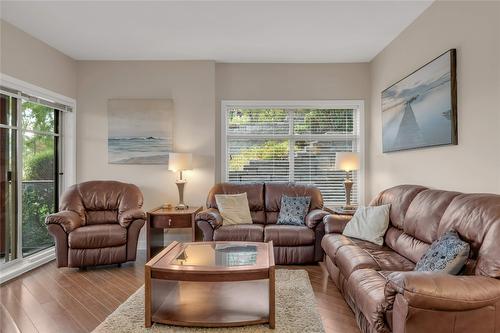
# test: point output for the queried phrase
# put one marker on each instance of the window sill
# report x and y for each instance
(14, 269)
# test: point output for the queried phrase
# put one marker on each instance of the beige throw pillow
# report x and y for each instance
(369, 223)
(233, 208)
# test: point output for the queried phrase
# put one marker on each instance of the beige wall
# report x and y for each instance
(197, 89)
(27, 58)
(289, 82)
(473, 28)
(191, 86)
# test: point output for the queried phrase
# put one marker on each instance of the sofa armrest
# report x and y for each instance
(67, 219)
(442, 292)
(211, 215)
(127, 217)
(314, 217)
(335, 223)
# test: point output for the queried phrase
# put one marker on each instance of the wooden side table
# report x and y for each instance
(340, 211)
(160, 219)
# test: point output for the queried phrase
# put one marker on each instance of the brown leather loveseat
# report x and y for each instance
(98, 224)
(379, 284)
(292, 244)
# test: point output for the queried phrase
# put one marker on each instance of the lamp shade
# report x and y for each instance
(347, 161)
(180, 161)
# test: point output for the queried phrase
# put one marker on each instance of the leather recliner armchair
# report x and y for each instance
(379, 284)
(98, 224)
(292, 244)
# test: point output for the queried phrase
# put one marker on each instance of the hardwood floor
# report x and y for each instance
(53, 300)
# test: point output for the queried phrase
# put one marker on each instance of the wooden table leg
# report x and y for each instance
(272, 286)
(147, 297)
(272, 292)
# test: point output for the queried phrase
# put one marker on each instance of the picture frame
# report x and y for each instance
(420, 110)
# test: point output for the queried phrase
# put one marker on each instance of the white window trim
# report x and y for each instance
(327, 104)
(19, 266)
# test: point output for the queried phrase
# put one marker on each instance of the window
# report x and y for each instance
(31, 171)
(292, 141)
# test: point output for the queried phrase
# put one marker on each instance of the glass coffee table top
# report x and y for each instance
(215, 256)
(227, 255)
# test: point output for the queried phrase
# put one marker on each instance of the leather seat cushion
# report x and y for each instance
(389, 260)
(240, 232)
(366, 289)
(351, 254)
(288, 235)
(352, 258)
(331, 243)
(291, 255)
(101, 256)
(97, 236)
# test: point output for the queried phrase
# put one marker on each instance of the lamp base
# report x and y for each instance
(348, 189)
(181, 207)
(180, 186)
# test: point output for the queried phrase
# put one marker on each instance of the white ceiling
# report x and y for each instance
(225, 31)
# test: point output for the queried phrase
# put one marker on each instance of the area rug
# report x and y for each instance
(295, 311)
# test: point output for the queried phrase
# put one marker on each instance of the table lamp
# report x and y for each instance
(347, 162)
(180, 162)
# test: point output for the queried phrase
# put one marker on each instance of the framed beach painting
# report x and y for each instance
(421, 109)
(140, 131)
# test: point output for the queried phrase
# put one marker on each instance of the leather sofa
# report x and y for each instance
(98, 224)
(379, 284)
(292, 244)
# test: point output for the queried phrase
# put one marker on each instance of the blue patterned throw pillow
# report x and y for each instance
(448, 254)
(293, 210)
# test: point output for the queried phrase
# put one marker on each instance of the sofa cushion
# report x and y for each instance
(274, 191)
(288, 235)
(366, 289)
(351, 254)
(331, 243)
(100, 256)
(240, 232)
(419, 214)
(254, 191)
(390, 260)
(400, 198)
(369, 223)
(97, 236)
(404, 244)
(233, 208)
(352, 258)
(293, 210)
(101, 216)
(448, 255)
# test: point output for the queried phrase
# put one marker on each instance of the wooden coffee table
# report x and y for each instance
(211, 284)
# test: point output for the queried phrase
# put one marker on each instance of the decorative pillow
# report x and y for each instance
(293, 210)
(448, 254)
(234, 208)
(369, 224)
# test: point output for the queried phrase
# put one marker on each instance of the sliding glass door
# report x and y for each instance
(29, 175)
(39, 174)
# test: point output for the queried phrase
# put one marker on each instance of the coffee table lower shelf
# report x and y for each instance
(210, 304)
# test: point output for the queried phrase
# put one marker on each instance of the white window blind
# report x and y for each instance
(297, 144)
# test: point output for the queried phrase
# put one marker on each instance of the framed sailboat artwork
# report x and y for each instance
(421, 109)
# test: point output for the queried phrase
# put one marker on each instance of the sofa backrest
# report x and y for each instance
(420, 215)
(264, 199)
(255, 195)
(274, 191)
(99, 202)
